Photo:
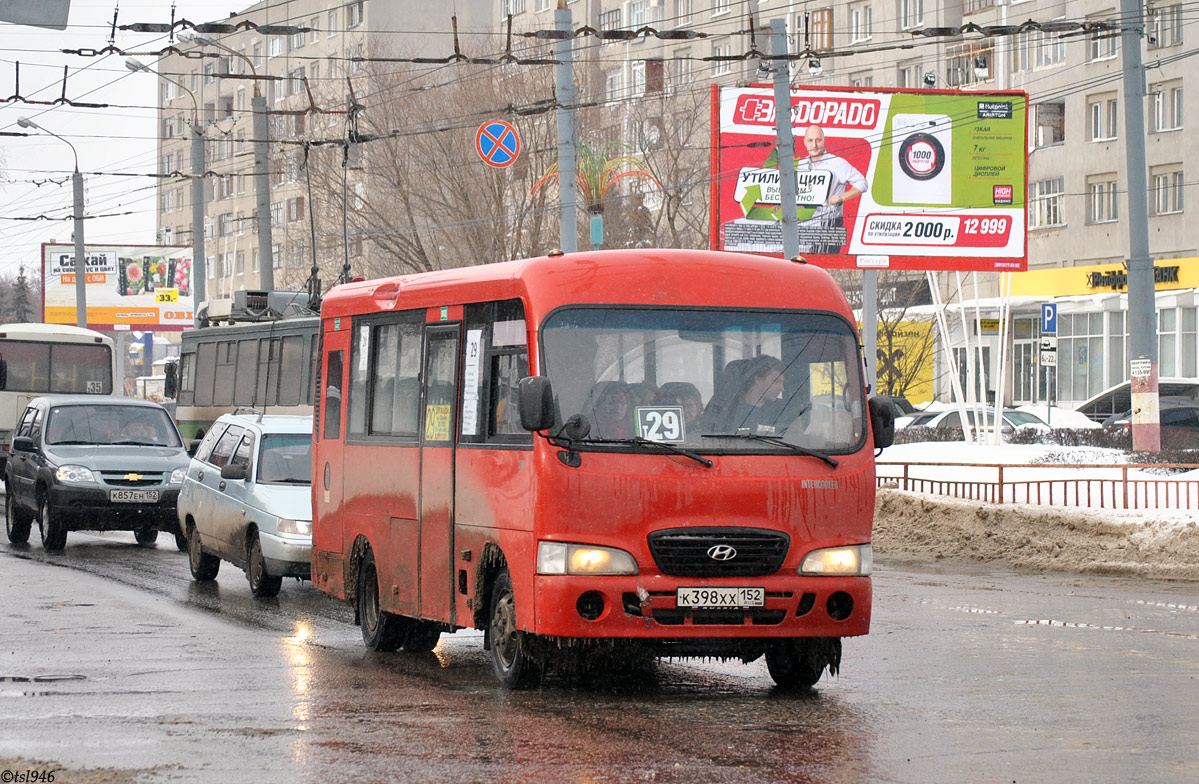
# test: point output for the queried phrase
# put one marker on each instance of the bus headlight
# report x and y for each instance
(293, 527)
(177, 476)
(563, 558)
(74, 473)
(854, 559)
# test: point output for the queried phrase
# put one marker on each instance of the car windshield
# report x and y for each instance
(1019, 418)
(712, 380)
(286, 458)
(106, 425)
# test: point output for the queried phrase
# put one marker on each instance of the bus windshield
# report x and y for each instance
(58, 368)
(714, 380)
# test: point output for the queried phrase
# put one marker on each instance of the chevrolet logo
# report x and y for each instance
(132, 477)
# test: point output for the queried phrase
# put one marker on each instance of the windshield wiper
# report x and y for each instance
(68, 443)
(801, 450)
(133, 443)
(663, 445)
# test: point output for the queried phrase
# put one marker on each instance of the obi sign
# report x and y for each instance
(147, 287)
(925, 179)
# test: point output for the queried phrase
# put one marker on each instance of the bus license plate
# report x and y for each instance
(133, 496)
(713, 598)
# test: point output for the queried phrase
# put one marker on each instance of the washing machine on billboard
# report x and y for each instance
(923, 145)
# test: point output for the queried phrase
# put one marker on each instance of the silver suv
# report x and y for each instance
(247, 499)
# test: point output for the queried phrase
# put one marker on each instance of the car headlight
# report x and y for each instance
(177, 476)
(74, 473)
(294, 527)
(563, 558)
(854, 559)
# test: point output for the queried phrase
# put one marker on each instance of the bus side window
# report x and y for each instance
(496, 356)
(332, 397)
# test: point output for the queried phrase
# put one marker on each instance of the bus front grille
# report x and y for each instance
(718, 552)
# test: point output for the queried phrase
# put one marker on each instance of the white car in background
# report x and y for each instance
(247, 499)
(1012, 420)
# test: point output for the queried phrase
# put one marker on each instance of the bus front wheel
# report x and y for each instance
(510, 660)
(381, 631)
(798, 664)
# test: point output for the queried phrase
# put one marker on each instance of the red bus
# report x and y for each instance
(664, 451)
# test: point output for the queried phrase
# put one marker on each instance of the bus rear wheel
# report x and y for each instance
(510, 659)
(381, 631)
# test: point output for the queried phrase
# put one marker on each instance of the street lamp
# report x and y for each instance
(199, 271)
(80, 254)
(262, 183)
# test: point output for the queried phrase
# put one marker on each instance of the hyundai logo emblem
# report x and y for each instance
(721, 552)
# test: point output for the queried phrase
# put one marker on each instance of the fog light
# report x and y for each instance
(590, 605)
(840, 606)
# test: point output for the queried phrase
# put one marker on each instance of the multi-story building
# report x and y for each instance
(295, 72)
(1077, 203)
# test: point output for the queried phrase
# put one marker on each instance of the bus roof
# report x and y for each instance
(630, 277)
(35, 331)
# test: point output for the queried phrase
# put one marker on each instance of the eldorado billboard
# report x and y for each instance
(146, 287)
(899, 179)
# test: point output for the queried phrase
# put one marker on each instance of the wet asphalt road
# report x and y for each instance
(113, 659)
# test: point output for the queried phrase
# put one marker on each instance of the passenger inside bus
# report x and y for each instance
(609, 410)
(642, 393)
(747, 396)
(686, 396)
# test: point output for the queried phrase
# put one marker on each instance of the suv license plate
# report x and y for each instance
(133, 496)
(713, 598)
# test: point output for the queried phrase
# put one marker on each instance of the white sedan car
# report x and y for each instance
(247, 499)
(1012, 420)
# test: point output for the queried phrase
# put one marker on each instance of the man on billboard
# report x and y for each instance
(824, 232)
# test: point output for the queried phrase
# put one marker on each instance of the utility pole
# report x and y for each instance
(1142, 310)
(568, 230)
(262, 190)
(786, 140)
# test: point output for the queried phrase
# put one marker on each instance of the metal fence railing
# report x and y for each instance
(1106, 486)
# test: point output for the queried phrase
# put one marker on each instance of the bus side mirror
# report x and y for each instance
(3, 373)
(170, 381)
(536, 400)
(882, 422)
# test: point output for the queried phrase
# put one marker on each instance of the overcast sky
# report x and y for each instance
(120, 138)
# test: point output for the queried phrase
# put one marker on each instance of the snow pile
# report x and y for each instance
(917, 527)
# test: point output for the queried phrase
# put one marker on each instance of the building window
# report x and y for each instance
(1165, 27)
(864, 79)
(1187, 343)
(610, 20)
(682, 12)
(642, 14)
(331, 25)
(613, 86)
(354, 14)
(543, 5)
(637, 77)
(298, 39)
(910, 75)
(276, 45)
(973, 6)
(1103, 120)
(682, 65)
(721, 7)
(356, 65)
(1167, 191)
(820, 27)
(1103, 45)
(1046, 203)
(512, 7)
(911, 13)
(1167, 107)
(969, 64)
(861, 22)
(1104, 205)
(240, 263)
(276, 214)
(314, 31)
(295, 208)
(295, 81)
(721, 67)
(1051, 50)
(1050, 124)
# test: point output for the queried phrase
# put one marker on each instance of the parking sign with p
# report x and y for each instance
(1049, 318)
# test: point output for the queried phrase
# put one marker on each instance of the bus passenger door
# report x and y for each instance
(440, 396)
(329, 548)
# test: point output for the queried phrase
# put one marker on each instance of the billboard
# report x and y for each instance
(143, 287)
(898, 179)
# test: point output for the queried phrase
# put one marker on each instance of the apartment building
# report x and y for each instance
(296, 72)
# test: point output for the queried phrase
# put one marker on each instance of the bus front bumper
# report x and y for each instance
(648, 607)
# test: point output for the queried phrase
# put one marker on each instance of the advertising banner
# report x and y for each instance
(143, 287)
(899, 179)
